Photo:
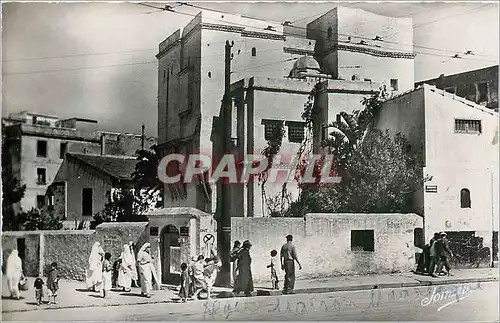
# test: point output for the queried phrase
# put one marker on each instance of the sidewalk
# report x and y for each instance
(72, 294)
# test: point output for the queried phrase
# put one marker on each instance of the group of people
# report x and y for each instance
(436, 255)
(99, 274)
(198, 276)
(242, 271)
(17, 281)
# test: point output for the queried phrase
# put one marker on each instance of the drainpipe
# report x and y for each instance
(492, 256)
(103, 144)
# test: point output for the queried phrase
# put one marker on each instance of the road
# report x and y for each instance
(476, 302)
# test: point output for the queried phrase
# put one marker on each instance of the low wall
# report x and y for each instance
(323, 243)
(71, 248)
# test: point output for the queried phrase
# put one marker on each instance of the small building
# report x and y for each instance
(36, 145)
(85, 182)
(479, 86)
(456, 141)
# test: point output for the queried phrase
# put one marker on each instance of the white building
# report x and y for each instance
(457, 141)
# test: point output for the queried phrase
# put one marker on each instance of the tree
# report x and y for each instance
(131, 203)
(384, 175)
(40, 220)
(127, 205)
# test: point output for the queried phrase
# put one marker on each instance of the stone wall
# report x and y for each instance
(31, 249)
(71, 248)
(323, 243)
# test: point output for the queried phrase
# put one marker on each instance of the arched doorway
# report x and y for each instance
(170, 253)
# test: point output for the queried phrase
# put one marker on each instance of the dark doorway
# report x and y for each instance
(170, 252)
(21, 248)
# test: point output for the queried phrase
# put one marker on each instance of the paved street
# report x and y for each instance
(476, 302)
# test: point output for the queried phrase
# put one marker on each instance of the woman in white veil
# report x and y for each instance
(126, 269)
(147, 271)
(14, 273)
(94, 271)
(133, 275)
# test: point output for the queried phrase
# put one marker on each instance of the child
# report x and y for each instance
(210, 273)
(53, 283)
(107, 268)
(184, 291)
(274, 275)
(39, 290)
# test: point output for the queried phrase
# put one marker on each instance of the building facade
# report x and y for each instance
(353, 44)
(36, 145)
(457, 142)
(479, 86)
(261, 105)
(191, 79)
(191, 72)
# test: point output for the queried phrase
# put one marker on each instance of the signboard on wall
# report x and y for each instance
(153, 231)
(431, 188)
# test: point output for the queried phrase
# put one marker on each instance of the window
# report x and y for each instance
(50, 204)
(209, 74)
(271, 128)
(41, 176)
(468, 126)
(367, 80)
(465, 198)
(40, 201)
(164, 75)
(34, 121)
(63, 149)
(482, 92)
(254, 51)
(41, 148)
(87, 196)
(450, 89)
(362, 240)
(295, 131)
(394, 84)
(329, 33)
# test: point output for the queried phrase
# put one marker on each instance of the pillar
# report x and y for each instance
(41, 255)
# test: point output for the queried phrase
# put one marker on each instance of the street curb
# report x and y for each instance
(314, 290)
(89, 306)
(319, 290)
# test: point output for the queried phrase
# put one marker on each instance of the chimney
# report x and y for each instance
(103, 144)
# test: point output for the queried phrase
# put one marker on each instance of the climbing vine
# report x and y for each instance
(273, 147)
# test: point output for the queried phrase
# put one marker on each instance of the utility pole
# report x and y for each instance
(224, 219)
(142, 136)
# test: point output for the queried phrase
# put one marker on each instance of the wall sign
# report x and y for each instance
(184, 231)
(431, 188)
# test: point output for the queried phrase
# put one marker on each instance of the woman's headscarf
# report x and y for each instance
(143, 249)
(246, 244)
(14, 264)
(126, 256)
(95, 256)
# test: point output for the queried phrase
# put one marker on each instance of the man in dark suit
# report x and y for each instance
(444, 254)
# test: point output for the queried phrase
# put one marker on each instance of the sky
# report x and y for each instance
(97, 60)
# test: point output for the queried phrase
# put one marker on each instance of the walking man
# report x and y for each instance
(288, 257)
(444, 252)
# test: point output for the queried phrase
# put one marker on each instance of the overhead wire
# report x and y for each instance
(350, 35)
(204, 56)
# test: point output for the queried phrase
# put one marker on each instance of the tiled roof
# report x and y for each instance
(118, 167)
